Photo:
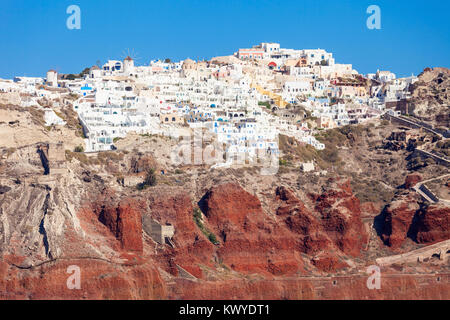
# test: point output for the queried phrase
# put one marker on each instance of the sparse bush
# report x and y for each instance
(370, 190)
(330, 154)
(212, 238)
(149, 181)
(264, 103)
(109, 156)
(197, 214)
(150, 178)
(81, 157)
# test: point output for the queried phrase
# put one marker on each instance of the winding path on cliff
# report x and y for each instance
(419, 189)
(69, 259)
(414, 124)
(441, 249)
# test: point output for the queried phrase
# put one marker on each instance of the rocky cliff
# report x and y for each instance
(430, 96)
(219, 234)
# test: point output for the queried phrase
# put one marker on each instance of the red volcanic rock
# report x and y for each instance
(339, 224)
(192, 247)
(284, 194)
(341, 217)
(404, 217)
(398, 217)
(311, 235)
(393, 287)
(328, 262)
(251, 241)
(125, 222)
(412, 179)
(229, 202)
(267, 249)
(129, 225)
(301, 221)
(370, 209)
(433, 224)
(98, 280)
(289, 204)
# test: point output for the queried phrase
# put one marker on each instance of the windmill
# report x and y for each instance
(130, 53)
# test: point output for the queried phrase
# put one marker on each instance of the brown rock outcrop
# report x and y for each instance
(412, 179)
(301, 221)
(398, 218)
(407, 216)
(341, 217)
(125, 223)
(192, 248)
(251, 240)
(98, 280)
(433, 224)
(430, 96)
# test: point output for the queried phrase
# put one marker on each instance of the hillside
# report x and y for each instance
(430, 97)
(237, 234)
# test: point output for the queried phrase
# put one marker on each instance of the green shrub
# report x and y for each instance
(264, 103)
(149, 181)
(212, 238)
(330, 154)
(79, 149)
(199, 222)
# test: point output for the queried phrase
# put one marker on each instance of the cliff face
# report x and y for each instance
(408, 217)
(430, 97)
(301, 221)
(125, 223)
(254, 241)
(250, 240)
(48, 228)
(393, 287)
(99, 280)
(398, 219)
(192, 248)
(311, 229)
(341, 218)
(433, 224)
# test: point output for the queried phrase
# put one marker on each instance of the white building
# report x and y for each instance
(52, 78)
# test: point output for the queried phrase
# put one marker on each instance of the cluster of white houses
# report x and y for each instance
(246, 100)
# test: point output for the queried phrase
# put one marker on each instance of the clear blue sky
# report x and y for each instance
(34, 37)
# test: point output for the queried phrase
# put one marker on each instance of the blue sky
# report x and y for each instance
(34, 36)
